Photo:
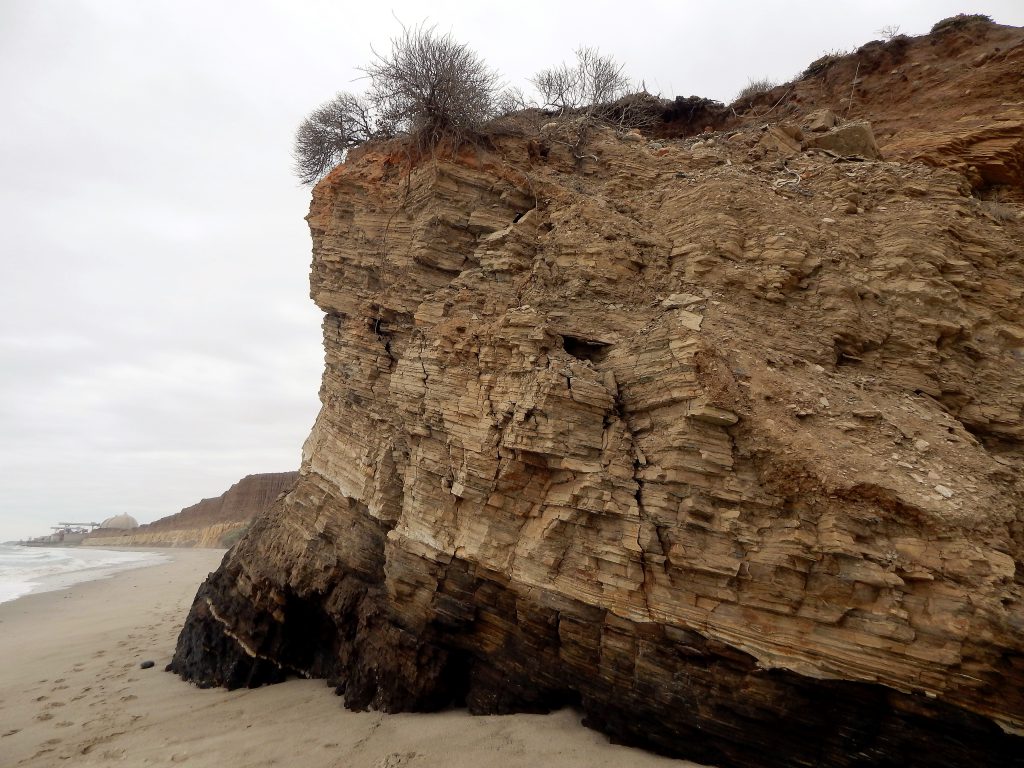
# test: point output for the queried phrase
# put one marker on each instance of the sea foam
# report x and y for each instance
(41, 569)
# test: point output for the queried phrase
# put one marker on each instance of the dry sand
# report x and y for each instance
(72, 693)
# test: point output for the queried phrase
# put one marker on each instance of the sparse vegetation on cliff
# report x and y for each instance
(595, 80)
(428, 88)
(755, 87)
(960, 21)
(331, 130)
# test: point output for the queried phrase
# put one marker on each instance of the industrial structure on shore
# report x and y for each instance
(72, 534)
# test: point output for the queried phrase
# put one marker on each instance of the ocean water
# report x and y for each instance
(41, 569)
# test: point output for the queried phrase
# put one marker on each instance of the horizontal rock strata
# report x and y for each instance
(209, 536)
(718, 442)
(214, 522)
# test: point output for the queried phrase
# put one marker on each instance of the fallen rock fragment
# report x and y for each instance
(850, 139)
(820, 120)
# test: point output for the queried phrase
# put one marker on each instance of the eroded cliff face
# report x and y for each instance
(954, 98)
(719, 441)
(210, 522)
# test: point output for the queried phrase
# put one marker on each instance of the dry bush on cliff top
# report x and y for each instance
(593, 81)
(593, 92)
(755, 87)
(331, 130)
(431, 88)
(428, 88)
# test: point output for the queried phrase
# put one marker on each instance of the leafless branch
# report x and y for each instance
(593, 81)
(330, 131)
(431, 87)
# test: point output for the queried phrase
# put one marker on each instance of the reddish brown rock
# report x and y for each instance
(954, 99)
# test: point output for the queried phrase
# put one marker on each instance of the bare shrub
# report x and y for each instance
(428, 88)
(432, 88)
(593, 81)
(755, 87)
(593, 92)
(330, 131)
(634, 110)
(889, 32)
(511, 100)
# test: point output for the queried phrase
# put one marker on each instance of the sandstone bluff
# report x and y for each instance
(210, 522)
(716, 438)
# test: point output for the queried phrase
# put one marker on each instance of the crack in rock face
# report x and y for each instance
(659, 438)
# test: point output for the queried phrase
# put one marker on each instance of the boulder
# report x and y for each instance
(820, 120)
(856, 139)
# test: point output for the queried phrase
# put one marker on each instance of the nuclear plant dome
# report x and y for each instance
(120, 522)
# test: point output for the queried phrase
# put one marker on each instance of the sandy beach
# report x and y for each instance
(72, 693)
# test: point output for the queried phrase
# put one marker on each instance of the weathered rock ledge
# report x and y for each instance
(718, 441)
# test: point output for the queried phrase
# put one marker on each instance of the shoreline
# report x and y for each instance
(96, 570)
(72, 693)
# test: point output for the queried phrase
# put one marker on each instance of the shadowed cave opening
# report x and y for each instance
(585, 349)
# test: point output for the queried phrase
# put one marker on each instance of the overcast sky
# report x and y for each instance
(157, 341)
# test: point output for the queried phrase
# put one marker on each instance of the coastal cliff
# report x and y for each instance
(718, 439)
(211, 522)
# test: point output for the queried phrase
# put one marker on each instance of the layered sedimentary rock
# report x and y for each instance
(954, 98)
(209, 523)
(209, 536)
(717, 440)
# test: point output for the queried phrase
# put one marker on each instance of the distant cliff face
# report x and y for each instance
(720, 440)
(211, 522)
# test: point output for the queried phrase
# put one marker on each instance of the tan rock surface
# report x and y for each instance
(724, 446)
(950, 99)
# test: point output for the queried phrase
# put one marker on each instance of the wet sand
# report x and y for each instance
(72, 693)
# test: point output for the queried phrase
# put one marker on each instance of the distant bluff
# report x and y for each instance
(212, 522)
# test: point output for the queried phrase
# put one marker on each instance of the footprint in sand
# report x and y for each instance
(10, 733)
(59, 680)
(54, 704)
(44, 716)
(129, 697)
(41, 698)
(395, 760)
(64, 724)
